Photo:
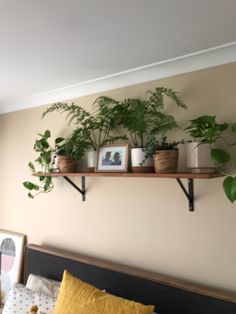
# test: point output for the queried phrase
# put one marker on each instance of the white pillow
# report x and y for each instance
(43, 285)
(20, 300)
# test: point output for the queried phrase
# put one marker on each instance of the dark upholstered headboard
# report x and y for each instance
(170, 296)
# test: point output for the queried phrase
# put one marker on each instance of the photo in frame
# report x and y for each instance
(113, 158)
(11, 260)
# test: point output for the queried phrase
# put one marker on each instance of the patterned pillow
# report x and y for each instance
(43, 285)
(20, 300)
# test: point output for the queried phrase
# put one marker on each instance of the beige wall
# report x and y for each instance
(141, 222)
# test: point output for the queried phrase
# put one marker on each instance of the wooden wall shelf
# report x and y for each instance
(189, 193)
(181, 175)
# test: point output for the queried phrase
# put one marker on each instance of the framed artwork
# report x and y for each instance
(11, 258)
(113, 158)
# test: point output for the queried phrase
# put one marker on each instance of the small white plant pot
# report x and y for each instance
(54, 165)
(199, 158)
(139, 163)
(91, 160)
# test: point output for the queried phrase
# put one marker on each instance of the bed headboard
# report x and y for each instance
(169, 295)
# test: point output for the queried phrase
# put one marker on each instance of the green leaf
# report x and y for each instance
(47, 134)
(38, 146)
(233, 127)
(46, 157)
(30, 195)
(47, 183)
(59, 140)
(229, 186)
(220, 155)
(44, 143)
(30, 186)
(31, 166)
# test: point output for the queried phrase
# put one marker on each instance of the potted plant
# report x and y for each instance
(165, 154)
(202, 155)
(143, 118)
(96, 127)
(72, 147)
(207, 132)
(229, 183)
(134, 115)
(44, 149)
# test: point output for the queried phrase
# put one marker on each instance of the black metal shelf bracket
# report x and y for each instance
(82, 189)
(189, 194)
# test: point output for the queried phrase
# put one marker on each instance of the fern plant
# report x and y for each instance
(143, 118)
(96, 127)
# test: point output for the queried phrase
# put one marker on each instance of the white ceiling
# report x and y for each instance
(51, 44)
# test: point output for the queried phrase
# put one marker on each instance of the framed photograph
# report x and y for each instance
(11, 258)
(113, 158)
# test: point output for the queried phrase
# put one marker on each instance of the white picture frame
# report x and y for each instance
(11, 260)
(113, 158)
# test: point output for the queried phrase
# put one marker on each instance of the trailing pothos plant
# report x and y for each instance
(74, 146)
(205, 129)
(44, 149)
(143, 118)
(97, 127)
(229, 183)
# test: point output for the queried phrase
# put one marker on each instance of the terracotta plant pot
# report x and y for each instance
(67, 164)
(166, 161)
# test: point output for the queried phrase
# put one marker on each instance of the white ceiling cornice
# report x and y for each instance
(191, 62)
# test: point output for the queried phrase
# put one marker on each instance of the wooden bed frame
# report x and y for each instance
(169, 295)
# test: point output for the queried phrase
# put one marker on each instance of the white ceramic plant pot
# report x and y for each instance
(139, 163)
(91, 160)
(199, 158)
(54, 166)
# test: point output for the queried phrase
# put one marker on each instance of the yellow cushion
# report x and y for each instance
(76, 296)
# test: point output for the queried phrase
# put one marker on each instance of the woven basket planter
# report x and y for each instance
(67, 164)
(166, 161)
